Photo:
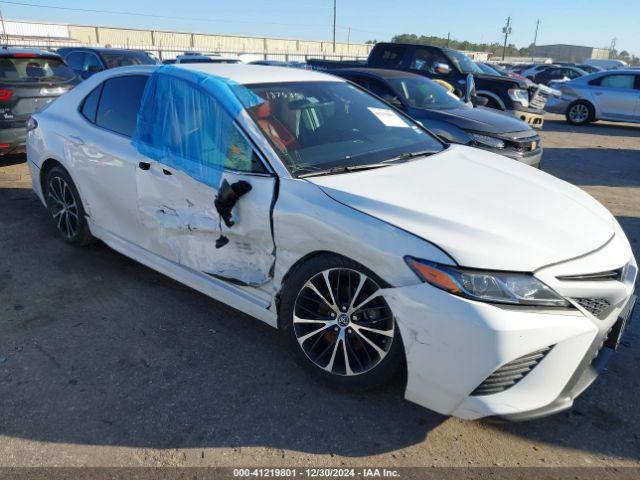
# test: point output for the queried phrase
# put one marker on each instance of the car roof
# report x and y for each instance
(250, 74)
(34, 51)
(377, 72)
(101, 49)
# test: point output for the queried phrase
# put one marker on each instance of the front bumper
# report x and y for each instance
(530, 116)
(532, 159)
(12, 140)
(453, 345)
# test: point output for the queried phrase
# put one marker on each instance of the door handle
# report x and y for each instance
(76, 140)
(144, 165)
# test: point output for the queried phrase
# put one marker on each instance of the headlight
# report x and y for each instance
(519, 95)
(487, 140)
(487, 286)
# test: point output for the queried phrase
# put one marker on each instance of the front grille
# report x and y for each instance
(511, 373)
(598, 307)
(538, 100)
(617, 274)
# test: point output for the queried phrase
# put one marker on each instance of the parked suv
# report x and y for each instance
(29, 80)
(86, 61)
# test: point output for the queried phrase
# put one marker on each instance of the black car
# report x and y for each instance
(29, 80)
(86, 61)
(445, 115)
(558, 73)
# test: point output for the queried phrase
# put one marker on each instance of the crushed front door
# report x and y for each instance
(185, 227)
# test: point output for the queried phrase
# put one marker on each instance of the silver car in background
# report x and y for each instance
(612, 95)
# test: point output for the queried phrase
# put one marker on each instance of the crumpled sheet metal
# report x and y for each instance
(186, 120)
(181, 212)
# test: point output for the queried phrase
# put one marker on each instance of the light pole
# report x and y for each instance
(334, 26)
(535, 39)
(506, 30)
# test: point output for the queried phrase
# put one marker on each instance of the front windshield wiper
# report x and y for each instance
(408, 156)
(403, 157)
(344, 169)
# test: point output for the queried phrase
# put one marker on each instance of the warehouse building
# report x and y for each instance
(169, 44)
(570, 53)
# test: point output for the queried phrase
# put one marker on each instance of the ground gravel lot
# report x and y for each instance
(107, 363)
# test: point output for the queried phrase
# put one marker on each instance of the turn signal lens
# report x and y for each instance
(433, 276)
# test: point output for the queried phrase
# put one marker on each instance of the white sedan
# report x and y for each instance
(311, 205)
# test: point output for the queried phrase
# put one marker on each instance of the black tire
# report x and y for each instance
(491, 103)
(382, 368)
(65, 206)
(580, 113)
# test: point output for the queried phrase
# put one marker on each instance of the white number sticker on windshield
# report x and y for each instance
(388, 117)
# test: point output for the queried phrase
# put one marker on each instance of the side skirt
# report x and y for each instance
(237, 297)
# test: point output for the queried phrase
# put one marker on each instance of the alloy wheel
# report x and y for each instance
(579, 113)
(342, 322)
(63, 207)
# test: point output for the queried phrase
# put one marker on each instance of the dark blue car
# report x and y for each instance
(86, 61)
(447, 116)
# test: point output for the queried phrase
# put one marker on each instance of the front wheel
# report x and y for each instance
(338, 323)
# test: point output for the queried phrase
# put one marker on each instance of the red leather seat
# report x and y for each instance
(280, 135)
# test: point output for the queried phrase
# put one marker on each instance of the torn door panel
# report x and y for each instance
(181, 214)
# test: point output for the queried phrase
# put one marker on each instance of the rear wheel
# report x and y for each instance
(338, 323)
(580, 113)
(65, 207)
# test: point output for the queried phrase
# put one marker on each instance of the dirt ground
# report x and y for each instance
(104, 362)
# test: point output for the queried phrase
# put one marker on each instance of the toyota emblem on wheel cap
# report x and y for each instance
(343, 319)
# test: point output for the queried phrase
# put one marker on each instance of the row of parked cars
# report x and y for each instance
(588, 92)
(320, 204)
(44, 75)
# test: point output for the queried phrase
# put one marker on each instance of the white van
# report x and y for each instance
(606, 64)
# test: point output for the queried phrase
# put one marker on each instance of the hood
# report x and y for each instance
(483, 80)
(484, 210)
(479, 119)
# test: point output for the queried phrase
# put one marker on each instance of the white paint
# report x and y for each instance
(461, 206)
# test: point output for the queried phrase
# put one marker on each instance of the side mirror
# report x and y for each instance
(395, 101)
(441, 69)
(470, 88)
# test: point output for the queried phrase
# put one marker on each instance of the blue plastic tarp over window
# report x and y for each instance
(186, 121)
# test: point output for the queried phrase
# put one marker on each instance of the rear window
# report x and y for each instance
(34, 70)
(387, 56)
(119, 103)
(124, 59)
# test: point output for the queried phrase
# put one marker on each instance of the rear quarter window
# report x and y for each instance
(89, 107)
(120, 102)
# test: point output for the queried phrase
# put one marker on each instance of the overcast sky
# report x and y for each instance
(592, 23)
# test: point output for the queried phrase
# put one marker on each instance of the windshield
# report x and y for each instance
(34, 69)
(420, 92)
(124, 59)
(462, 62)
(316, 126)
(489, 70)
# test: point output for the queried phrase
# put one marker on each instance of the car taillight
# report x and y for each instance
(24, 55)
(32, 124)
(5, 94)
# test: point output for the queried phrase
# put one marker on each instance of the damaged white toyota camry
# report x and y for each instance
(306, 202)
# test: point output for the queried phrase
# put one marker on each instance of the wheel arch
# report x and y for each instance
(304, 259)
(492, 97)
